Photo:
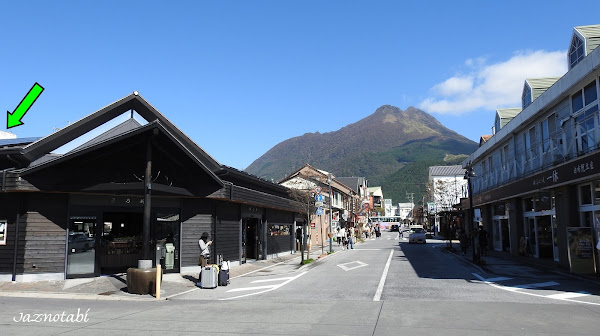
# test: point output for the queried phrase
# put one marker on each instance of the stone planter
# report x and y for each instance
(141, 280)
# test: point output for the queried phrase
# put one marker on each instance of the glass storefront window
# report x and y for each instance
(279, 230)
(597, 192)
(585, 194)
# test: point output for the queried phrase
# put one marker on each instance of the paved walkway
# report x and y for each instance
(114, 287)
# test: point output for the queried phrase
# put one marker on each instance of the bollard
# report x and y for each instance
(158, 276)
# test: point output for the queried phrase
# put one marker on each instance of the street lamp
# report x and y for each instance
(469, 174)
(329, 180)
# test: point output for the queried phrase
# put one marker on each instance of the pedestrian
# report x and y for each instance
(350, 238)
(298, 238)
(483, 240)
(464, 241)
(204, 244)
(377, 231)
(338, 236)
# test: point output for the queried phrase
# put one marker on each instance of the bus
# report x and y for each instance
(391, 223)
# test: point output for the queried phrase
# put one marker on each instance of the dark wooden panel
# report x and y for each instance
(278, 244)
(44, 233)
(191, 230)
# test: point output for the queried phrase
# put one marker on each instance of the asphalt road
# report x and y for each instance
(382, 287)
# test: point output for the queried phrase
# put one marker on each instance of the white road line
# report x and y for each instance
(269, 280)
(377, 296)
(516, 290)
(538, 285)
(358, 264)
(250, 288)
(271, 288)
(567, 295)
(491, 279)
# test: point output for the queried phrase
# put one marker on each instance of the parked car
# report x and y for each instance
(80, 242)
(417, 235)
(404, 233)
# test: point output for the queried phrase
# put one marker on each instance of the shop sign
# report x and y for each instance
(581, 250)
(3, 231)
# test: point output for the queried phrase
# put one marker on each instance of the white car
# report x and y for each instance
(416, 235)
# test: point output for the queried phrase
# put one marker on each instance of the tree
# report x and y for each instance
(305, 198)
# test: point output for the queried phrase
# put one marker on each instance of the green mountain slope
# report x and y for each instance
(391, 148)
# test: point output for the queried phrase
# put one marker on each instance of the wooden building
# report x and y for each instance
(140, 190)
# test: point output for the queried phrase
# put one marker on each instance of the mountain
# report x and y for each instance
(390, 147)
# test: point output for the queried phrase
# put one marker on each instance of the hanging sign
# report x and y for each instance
(319, 198)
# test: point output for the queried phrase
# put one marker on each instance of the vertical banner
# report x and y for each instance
(3, 231)
(581, 250)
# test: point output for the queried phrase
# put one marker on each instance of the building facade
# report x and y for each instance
(537, 179)
(141, 190)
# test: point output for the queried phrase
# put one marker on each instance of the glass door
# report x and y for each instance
(531, 237)
(544, 236)
(497, 233)
(81, 246)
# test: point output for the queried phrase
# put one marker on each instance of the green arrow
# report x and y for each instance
(14, 119)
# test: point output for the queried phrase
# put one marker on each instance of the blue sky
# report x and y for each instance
(241, 76)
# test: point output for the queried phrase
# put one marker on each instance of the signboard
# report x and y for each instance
(318, 190)
(319, 198)
(319, 204)
(581, 250)
(3, 231)
(320, 211)
(313, 225)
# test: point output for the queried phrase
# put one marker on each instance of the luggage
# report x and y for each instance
(223, 277)
(209, 277)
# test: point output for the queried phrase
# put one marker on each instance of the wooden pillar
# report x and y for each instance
(147, 201)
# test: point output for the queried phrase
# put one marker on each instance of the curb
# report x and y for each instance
(77, 296)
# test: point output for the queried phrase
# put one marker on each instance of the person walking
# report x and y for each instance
(464, 241)
(377, 231)
(483, 241)
(351, 238)
(338, 236)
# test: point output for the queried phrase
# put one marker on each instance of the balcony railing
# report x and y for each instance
(569, 142)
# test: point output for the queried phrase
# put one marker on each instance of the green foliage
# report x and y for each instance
(308, 261)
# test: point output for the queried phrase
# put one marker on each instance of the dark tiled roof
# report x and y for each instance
(17, 141)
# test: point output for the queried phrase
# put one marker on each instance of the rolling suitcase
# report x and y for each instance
(223, 277)
(209, 276)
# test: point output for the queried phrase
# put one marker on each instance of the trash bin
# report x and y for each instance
(169, 256)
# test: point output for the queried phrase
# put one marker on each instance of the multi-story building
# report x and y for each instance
(446, 186)
(537, 179)
(339, 196)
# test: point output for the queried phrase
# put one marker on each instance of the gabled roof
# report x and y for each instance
(505, 115)
(446, 171)
(540, 85)
(155, 126)
(353, 182)
(131, 102)
(376, 191)
(591, 36)
(484, 139)
(126, 126)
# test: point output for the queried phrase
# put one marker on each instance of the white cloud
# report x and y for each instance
(493, 86)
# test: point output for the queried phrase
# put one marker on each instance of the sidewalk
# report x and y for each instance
(114, 287)
(496, 261)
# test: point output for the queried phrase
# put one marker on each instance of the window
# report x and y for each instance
(585, 194)
(526, 98)
(548, 127)
(576, 51)
(504, 157)
(530, 141)
(585, 105)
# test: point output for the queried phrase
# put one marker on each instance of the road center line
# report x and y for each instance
(377, 296)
